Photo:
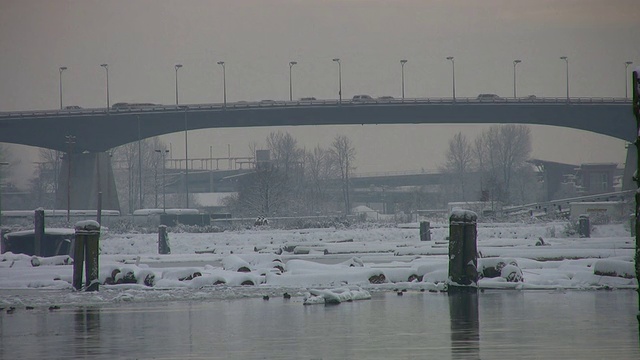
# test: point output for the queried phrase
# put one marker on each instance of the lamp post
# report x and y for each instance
(402, 62)
(566, 60)
(61, 69)
(515, 62)
(339, 79)
(70, 141)
(106, 68)
(291, 63)
(626, 87)
(453, 67)
(177, 66)
(224, 83)
(1, 164)
(164, 189)
(186, 158)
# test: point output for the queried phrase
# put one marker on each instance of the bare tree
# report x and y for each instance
(319, 169)
(500, 152)
(285, 153)
(459, 161)
(344, 154)
(44, 186)
(136, 178)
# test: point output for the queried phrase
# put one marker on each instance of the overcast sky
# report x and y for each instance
(143, 40)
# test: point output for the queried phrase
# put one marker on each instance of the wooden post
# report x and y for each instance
(425, 231)
(38, 232)
(3, 245)
(632, 224)
(78, 261)
(463, 251)
(163, 240)
(584, 226)
(635, 84)
(87, 247)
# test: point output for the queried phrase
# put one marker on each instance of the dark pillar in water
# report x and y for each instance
(463, 251)
(425, 231)
(86, 249)
(163, 240)
(38, 222)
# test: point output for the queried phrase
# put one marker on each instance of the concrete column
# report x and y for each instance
(425, 231)
(87, 249)
(38, 240)
(463, 251)
(163, 240)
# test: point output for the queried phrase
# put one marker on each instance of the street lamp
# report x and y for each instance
(566, 60)
(1, 164)
(291, 63)
(402, 62)
(339, 79)
(177, 66)
(224, 82)
(626, 91)
(61, 68)
(453, 67)
(106, 68)
(164, 190)
(70, 141)
(515, 62)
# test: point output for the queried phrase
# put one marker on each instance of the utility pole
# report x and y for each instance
(70, 141)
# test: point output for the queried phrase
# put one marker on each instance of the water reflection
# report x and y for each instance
(543, 325)
(86, 326)
(465, 325)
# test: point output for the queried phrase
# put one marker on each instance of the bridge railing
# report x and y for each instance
(239, 105)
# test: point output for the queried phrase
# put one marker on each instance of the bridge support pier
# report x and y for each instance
(91, 173)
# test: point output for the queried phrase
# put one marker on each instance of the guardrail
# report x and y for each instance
(304, 103)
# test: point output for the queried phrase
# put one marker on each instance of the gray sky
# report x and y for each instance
(142, 40)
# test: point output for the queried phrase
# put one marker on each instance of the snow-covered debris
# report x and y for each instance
(335, 296)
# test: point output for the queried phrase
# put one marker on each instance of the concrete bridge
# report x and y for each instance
(98, 130)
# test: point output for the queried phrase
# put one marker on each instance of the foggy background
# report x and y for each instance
(143, 40)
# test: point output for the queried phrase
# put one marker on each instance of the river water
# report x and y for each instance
(417, 325)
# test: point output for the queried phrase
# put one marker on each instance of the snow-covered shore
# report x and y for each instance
(351, 261)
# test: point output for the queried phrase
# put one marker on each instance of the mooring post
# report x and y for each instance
(584, 226)
(463, 251)
(3, 245)
(163, 240)
(425, 231)
(87, 248)
(38, 223)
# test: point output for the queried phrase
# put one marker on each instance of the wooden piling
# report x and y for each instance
(463, 251)
(87, 246)
(425, 231)
(584, 226)
(163, 240)
(38, 223)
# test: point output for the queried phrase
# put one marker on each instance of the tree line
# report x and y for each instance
(492, 167)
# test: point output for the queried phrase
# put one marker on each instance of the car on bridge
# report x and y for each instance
(488, 97)
(386, 98)
(310, 98)
(362, 98)
(72, 107)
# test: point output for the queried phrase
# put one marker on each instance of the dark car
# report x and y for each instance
(488, 97)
